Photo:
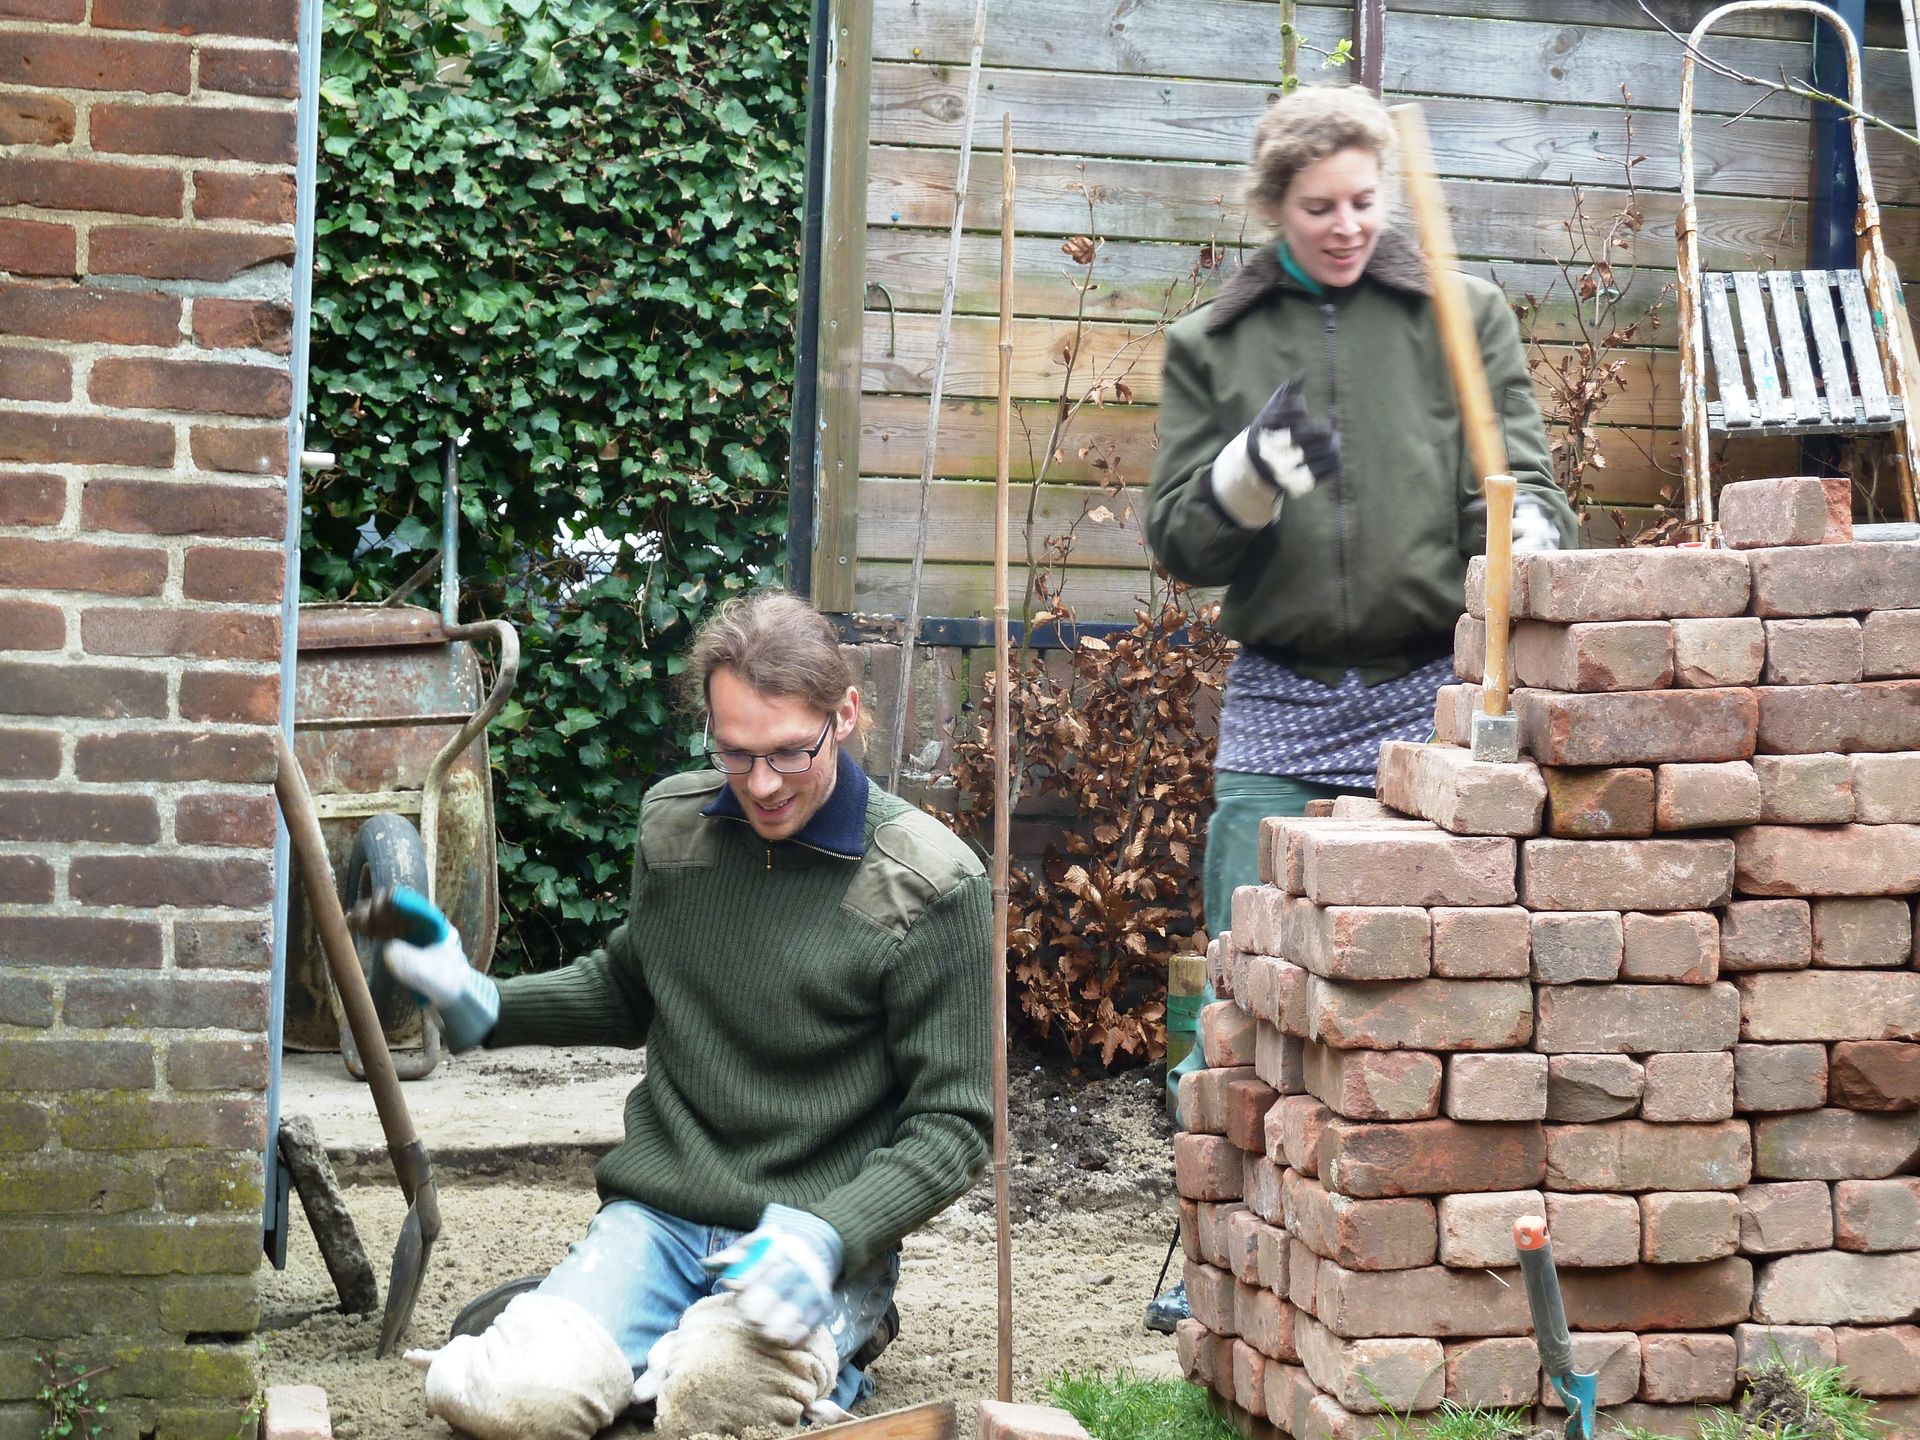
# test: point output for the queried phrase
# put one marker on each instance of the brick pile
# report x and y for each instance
(1658, 982)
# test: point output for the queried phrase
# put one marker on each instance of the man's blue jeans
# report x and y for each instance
(638, 1269)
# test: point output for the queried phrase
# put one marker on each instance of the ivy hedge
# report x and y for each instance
(567, 230)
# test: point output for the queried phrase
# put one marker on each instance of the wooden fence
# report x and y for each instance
(1132, 121)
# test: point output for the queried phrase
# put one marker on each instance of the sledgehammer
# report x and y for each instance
(1496, 734)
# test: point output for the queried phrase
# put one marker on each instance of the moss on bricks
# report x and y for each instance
(215, 1184)
(222, 1304)
(73, 1184)
(162, 1247)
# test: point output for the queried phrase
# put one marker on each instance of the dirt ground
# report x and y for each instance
(1090, 1170)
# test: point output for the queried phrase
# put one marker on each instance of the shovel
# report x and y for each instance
(422, 1225)
(1578, 1391)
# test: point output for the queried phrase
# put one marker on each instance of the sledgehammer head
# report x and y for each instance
(1496, 737)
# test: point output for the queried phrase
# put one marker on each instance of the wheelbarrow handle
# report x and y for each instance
(1550, 1332)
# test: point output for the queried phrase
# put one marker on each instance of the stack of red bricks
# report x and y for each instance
(1658, 982)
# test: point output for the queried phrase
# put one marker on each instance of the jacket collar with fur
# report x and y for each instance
(1397, 262)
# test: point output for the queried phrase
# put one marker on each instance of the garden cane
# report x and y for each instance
(1578, 1391)
(1496, 734)
(422, 1225)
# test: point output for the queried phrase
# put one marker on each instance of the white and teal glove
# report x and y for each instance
(439, 975)
(1534, 528)
(784, 1271)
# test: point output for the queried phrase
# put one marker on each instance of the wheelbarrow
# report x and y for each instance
(390, 719)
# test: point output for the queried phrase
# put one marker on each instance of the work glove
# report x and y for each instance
(784, 1271)
(712, 1374)
(1534, 528)
(438, 975)
(1281, 453)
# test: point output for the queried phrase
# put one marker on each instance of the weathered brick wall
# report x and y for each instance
(1659, 982)
(146, 209)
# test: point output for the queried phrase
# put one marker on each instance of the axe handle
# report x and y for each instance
(1499, 591)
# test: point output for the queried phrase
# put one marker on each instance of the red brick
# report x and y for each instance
(1708, 654)
(34, 374)
(1373, 1375)
(155, 880)
(115, 317)
(1364, 942)
(1886, 788)
(1839, 490)
(85, 940)
(1408, 868)
(1890, 643)
(1625, 874)
(1445, 784)
(1481, 942)
(1496, 1087)
(1391, 1234)
(1476, 1231)
(264, 199)
(1420, 1014)
(1249, 1379)
(1576, 945)
(1260, 1186)
(1284, 839)
(198, 385)
(1884, 1360)
(1603, 803)
(79, 565)
(1663, 1297)
(162, 755)
(69, 817)
(151, 631)
(1247, 1100)
(1430, 1157)
(1226, 1034)
(1764, 513)
(1470, 648)
(1835, 579)
(222, 697)
(1628, 655)
(1766, 935)
(1834, 1288)
(1806, 1347)
(238, 820)
(1862, 934)
(1688, 1227)
(160, 252)
(1809, 719)
(1594, 1232)
(265, 73)
(32, 499)
(30, 625)
(1687, 1369)
(1195, 1344)
(1820, 651)
(1876, 1215)
(1805, 789)
(1493, 1374)
(251, 19)
(244, 450)
(1830, 860)
(1830, 1005)
(35, 119)
(73, 184)
(38, 439)
(1433, 1301)
(76, 1065)
(1294, 1128)
(1203, 1098)
(1244, 1229)
(32, 247)
(174, 507)
(1682, 948)
(96, 62)
(1770, 1078)
(1212, 1292)
(146, 1122)
(1266, 1322)
(1621, 1155)
(1637, 727)
(1704, 797)
(1879, 1075)
(1373, 1084)
(29, 754)
(217, 1065)
(25, 880)
(1613, 1361)
(1589, 1087)
(1641, 584)
(199, 130)
(234, 575)
(95, 692)
(223, 944)
(1778, 1219)
(1690, 1086)
(1206, 1167)
(1833, 1145)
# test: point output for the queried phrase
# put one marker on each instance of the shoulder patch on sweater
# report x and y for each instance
(911, 861)
(672, 831)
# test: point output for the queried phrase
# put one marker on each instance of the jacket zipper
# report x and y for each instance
(1330, 316)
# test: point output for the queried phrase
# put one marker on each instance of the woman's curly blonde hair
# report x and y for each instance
(1312, 123)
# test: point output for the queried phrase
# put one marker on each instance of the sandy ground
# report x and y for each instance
(1091, 1176)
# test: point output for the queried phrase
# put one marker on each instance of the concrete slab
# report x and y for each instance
(485, 1112)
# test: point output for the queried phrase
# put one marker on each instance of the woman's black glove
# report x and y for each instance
(1281, 453)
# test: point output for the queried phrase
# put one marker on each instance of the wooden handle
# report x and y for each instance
(1499, 591)
(1478, 421)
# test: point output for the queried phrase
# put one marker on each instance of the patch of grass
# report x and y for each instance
(1128, 1407)
(1456, 1422)
(1785, 1403)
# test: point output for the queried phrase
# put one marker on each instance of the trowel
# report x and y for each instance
(1578, 1391)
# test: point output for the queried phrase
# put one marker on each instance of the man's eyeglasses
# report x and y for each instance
(781, 762)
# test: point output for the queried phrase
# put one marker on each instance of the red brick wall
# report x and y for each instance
(146, 239)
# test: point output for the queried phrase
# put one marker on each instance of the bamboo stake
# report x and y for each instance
(897, 739)
(1002, 768)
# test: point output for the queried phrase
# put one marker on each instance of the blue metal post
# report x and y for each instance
(1833, 188)
(274, 1217)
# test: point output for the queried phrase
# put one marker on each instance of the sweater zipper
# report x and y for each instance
(1330, 316)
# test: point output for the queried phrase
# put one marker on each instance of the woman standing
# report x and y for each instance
(1311, 461)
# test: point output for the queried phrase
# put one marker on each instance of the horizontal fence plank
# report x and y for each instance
(1106, 529)
(1214, 45)
(1169, 201)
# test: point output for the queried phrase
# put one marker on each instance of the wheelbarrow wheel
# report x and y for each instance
(387, 852)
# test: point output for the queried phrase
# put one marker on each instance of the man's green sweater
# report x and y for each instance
(815, 1013)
